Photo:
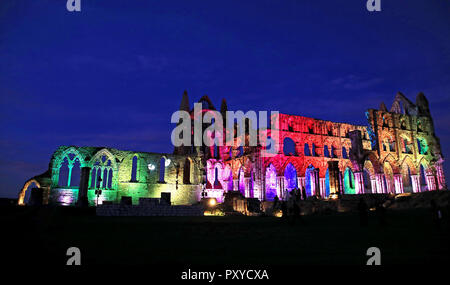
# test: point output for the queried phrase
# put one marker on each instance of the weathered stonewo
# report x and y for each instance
(397, 151)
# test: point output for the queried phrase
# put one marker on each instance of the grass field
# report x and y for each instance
(409, 238)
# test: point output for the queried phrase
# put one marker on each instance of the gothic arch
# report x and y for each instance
(100, 154)
(393, 163)
(60, 158)
(24, 189)
(295, 162)
(409, 162)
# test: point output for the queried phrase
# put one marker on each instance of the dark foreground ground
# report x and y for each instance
(43, 236)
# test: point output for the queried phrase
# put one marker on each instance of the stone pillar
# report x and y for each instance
(316, 182)
(415, 181)
(359, 182)
(301, 182)
(440, 176)
(398, 183)
(379, 180)
(83, 190)
(225, 185)
(323, 190)
(263, 188)
(431, 182)
(247, 187)
(69, 177)
(373, 183)
(236, 184)
(280, 186)
(388, 184)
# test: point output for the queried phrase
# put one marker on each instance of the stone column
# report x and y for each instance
(431, 183)
(316, 182)
(359, 182)
(83, 190)
(301, 182)
(236, 184)
(323, 189)
(247, 187)
(69, 177)
(440, 176)
(373, 184)
(415, 183)
(379, 179)
(280, 186)
(398, 183)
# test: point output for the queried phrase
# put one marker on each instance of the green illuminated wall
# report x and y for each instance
(146, 185)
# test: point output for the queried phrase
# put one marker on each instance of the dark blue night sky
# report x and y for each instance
(113, 74)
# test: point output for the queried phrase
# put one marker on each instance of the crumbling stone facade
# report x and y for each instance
(396, 152)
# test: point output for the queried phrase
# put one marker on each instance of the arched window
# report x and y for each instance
(349, 181)
(326, 152)
(134, 169)
(269, 144)
(290, 175)
(403, 125)
(423, 181)
(344, 153)
(217, 184)
(314, 153)
(289, 147)
(63, 179)
(391, 146)
(105, 178)
(307, 151)
(75, 174)
(271, 183)
(110, 177)
(162, 169)
(93, 177)
(333, 152)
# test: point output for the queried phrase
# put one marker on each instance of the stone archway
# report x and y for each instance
(25, 187)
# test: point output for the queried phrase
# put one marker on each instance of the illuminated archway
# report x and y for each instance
(309, 180)
(26, 186)
(349, 181)
(290, 175)
(271, 182)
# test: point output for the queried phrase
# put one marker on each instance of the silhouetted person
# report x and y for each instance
(436, 215)
(297, 195)
(303, 193)
(363, 214)
(275, 202)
